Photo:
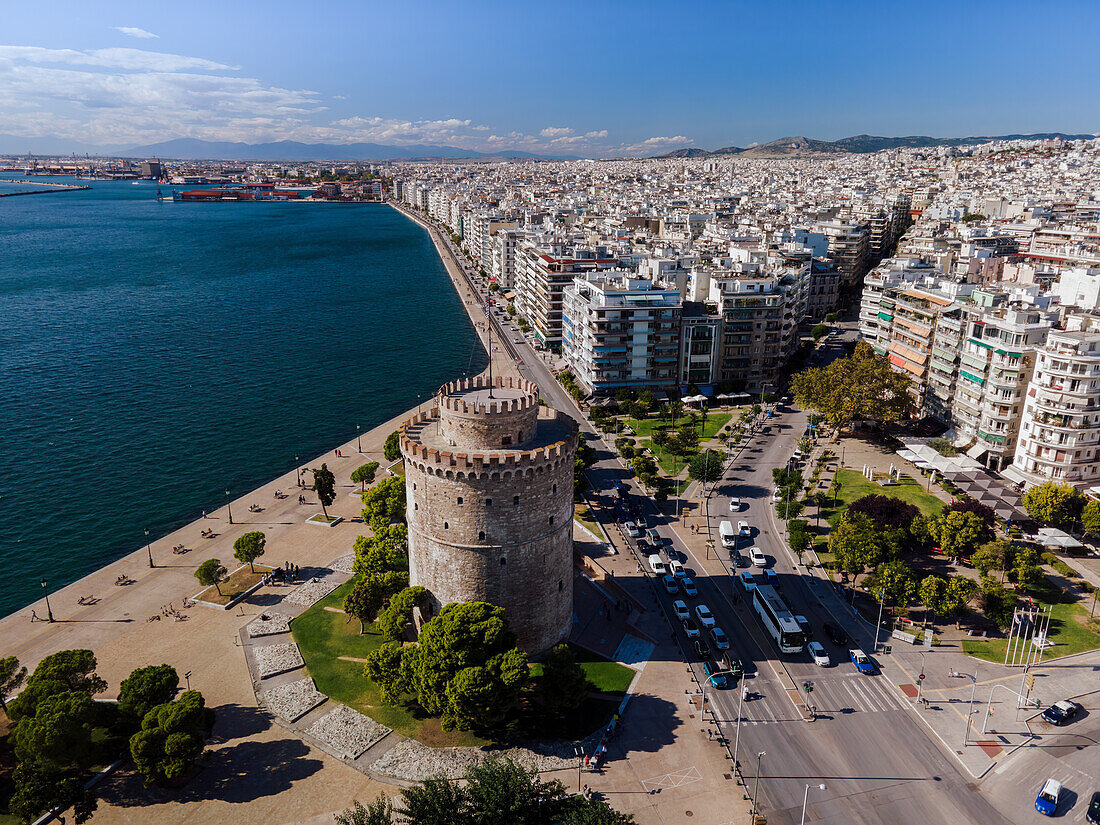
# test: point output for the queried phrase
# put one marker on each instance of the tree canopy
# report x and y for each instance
(1090, 518)
(707, 466)
(364, 475)
(563, 684)
(960, 533)
(61, 672)
(392, 448)
(144, 689)
(12, 675)
(1058, 505)
(853, 543)
(324, 485)
(384, 503)
(211, 573)
(862, 386)
(171, 738)
(249, 547)
(884, 511)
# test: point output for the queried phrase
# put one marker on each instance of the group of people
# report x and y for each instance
(252, 508)
(207, 534)
(179, 549)
(123, 579)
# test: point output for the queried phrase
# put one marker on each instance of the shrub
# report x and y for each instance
(1059, 565)
(884, 511)
(943, 447)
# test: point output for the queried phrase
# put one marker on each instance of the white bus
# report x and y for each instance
(777, 619)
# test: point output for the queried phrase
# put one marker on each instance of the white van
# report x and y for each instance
(656, 565)
(727, 534)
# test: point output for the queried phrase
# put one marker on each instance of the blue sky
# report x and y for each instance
(581, 78)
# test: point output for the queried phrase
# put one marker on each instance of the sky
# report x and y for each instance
(595, 78)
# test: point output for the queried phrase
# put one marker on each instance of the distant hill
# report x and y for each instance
(289, 150)
(858, 144)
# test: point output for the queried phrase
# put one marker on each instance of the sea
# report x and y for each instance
(155, 355)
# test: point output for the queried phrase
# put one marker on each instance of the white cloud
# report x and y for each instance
(654, 144)
(122, 59)
(133, 31)
(556, 131)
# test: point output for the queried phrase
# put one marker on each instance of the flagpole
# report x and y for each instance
(489, 325)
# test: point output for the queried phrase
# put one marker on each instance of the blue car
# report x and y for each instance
(771, 577)
(862, 661)
(1046, 802)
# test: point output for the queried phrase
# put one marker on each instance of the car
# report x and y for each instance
(735, 505)
(862, 661)
(777, 494)
(804, 624)
(687, 584)
(771, 577)
(1046, 802)
(676, 569)
(797, 455)
(714, 673)
(706, 618)
(671, 584)
(743, 528)
(645, 548)
(1092, 813)
(701, 650)
(639, 519)
(719, 636)
(835, 634)
(656, 565)
(654, 537)
(691, 629)
(747, 581)
(818, 654)
(756, 555)
(1060, 713)
(681, 610)
(632, 529)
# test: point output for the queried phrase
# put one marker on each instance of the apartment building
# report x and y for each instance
(542, 274)
(700, 344)
(502, 267)
(880, 289)
(849, 250)
(619, 331)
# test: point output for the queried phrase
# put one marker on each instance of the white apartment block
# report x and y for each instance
(542, 274)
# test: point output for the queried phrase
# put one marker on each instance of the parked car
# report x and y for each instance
(710, 668)
(1092, 814)
(747, 581)
(735, 505)
(862, 661)
(1061, 713)
(1046, 802)
(645, 548)
(743, 528)
(701, 650)
(818, 654)
(777, 494)
(719, 637)
(691, 628)
(671, 584)
(837, 636)
(656, 565)
(654, 537)
(706, 618)
(688, 586)
(758, 558)
(681, 610)
(676, 569)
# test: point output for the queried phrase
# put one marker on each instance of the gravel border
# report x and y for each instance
(272, 660)
(293, 700)
(343, 564)
(268, 624)
(413, 762)
(311, 592)
(347, 731)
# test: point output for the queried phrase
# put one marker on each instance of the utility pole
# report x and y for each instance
(756, 789)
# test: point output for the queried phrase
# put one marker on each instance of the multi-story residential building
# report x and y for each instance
(621, 331)
(1060, 434)
(700, 344)
(880, 287)
(543, 273)
(849, 250)
(503, 265)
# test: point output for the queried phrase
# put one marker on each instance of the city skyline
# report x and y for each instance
(131, 75)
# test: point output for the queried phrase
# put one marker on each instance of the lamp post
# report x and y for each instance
(882, 601)
(806, 798)
(970, 711)
(297, 469)
(358, 439)
(45, 593)
(229, 503)
(756, 789)
(737, 729)
(920, 681)
(149, 548)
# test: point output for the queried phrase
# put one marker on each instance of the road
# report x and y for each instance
(878, 763)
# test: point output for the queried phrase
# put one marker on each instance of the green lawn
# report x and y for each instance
(323, 636)
(607, 676)
(1068, 630)
(670, 463)
(853, 486)
(645, 427)
(238, 582)
(583, 516)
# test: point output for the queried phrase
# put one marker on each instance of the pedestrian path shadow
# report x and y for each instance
(238, 722)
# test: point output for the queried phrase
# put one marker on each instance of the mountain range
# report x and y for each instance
(858, 144)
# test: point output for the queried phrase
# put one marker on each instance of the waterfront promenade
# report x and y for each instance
(254, 761)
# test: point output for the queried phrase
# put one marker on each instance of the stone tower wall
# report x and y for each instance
(501, 424)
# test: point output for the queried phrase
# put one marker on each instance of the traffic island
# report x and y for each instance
(321, 520)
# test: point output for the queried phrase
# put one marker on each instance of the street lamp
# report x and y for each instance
(297, 469)
(806, 798)
(882, 601)
(920, 679)
(756, 789)
(45, 593)
(970, 711)
(230, 505)
(358, 439)
(149, 548)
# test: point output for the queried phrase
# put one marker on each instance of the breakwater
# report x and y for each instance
(48, 187)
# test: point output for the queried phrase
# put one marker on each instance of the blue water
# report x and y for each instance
(153, 355)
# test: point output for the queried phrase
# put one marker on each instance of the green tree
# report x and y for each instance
(563, 685)
(819, 331)
(852, 543)
(1090, 517)
(997, 602)
(210, 574)
(384, 503)
(1026, 569)
(387, 549)
(61, 672)
(364, 475)
(379, 812)
(861, 386)
(392, 448)
(1058, 505)
(687, 440)
(11, 677)
(499, 791)
(249, 547)
(324, 485)
(399, 612)
(933, 594)
(990, 556)
(35, 791)
(366, 597)
(390, 667)
(798, 534)
(436, 802)
(171, 738)
(959, 533)
(707, 466)
(145, 689)
(960, 590)
(470, 636)
(896, 579)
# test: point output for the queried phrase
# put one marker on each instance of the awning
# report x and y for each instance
(977, 451)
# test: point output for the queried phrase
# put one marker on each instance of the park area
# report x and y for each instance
(235, 585)
(335, 651)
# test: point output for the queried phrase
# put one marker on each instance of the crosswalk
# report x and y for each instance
(830, 696)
